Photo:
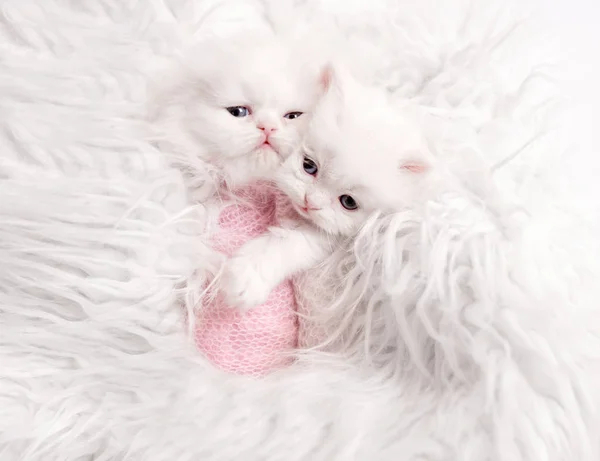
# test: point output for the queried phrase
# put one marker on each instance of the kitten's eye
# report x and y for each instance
(348, 202)
(238, 111)
(292, 115)
(309, 166)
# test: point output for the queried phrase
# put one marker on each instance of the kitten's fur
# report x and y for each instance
(363, 147)
(261, 73)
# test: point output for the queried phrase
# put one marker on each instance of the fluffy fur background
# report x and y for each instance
(485, 313)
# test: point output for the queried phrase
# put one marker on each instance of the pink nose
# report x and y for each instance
(308, 205)
(267, 129)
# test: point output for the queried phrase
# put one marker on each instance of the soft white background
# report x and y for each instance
(84, 379)
(577, 26)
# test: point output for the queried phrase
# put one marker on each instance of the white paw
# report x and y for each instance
(242, 285)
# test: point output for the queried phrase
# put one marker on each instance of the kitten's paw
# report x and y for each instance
(243, 286)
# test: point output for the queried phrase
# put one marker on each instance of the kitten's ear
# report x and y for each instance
(327, 77)
(414, 166)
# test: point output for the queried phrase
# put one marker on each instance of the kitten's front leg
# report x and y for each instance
(258, 267)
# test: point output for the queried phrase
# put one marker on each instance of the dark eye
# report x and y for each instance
(238, 111)
(309, 166)
(292, 115)
(348, 202)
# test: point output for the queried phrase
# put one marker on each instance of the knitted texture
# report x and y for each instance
(259, 340)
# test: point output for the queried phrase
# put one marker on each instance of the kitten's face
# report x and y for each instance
(360, 155)
(254, 103)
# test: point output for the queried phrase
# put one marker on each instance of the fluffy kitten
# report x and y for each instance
(361, 155)
(239, 106)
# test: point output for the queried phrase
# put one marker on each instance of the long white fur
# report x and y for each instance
(490, 354)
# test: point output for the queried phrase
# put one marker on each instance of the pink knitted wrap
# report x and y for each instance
(259, 340)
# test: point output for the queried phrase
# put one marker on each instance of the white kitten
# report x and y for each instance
(240, 106)
(361, 155)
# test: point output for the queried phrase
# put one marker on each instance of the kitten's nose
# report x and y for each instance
(308, 205)
(267, 129)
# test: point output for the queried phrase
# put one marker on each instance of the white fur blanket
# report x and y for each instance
(97, 236)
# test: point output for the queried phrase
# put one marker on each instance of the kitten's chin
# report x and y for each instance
(259, 164)
(266, 161)
(306, 215)
(268, 150)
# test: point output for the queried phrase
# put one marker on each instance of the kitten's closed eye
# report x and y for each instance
(293, 115)
(310, 166)
(348, 202)
(238, 111)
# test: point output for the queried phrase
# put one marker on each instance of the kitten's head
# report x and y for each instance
(361, 154)
(252, 105)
